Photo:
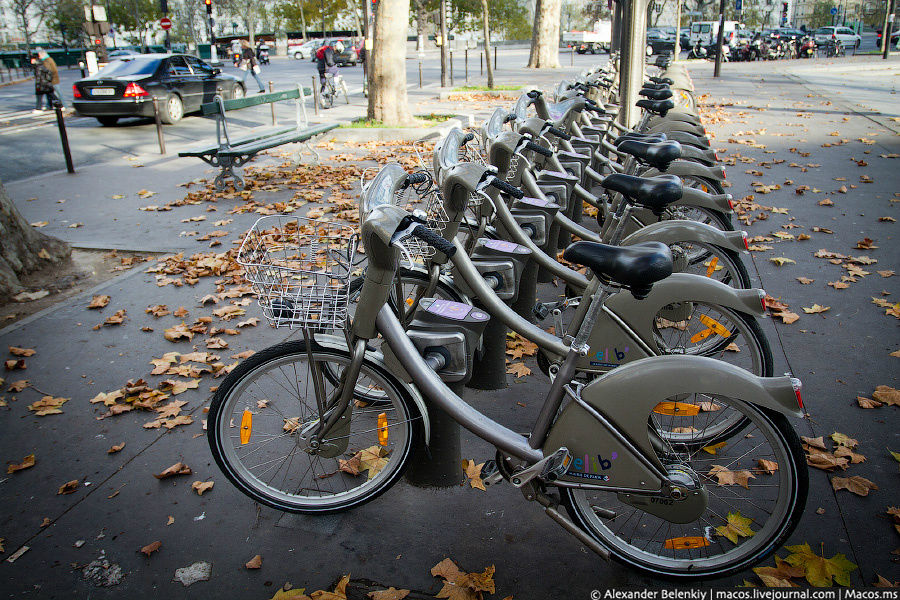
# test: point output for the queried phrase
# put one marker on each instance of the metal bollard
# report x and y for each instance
(159, 131)
(467, 65)
(451, 68)
(495, 58)
(315, 89)
(572, 57)
(440, 465)
(61, 123)
(481, 63)
(420, 74)
(272, 104)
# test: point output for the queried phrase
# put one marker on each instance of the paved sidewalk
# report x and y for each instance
(118, 507)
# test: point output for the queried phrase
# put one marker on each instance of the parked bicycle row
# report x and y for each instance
(774, 45)
(664, 439)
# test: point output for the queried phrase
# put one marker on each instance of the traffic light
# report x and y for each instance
(208, 4)
(784, 13)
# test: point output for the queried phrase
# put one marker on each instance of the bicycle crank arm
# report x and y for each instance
(549, 468)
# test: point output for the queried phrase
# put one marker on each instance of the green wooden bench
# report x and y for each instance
(230, 154)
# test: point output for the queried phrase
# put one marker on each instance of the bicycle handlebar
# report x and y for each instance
(559, 133)
(468, 138)
(507, 188)
(538, 148)
(534, 94)
(415, 178)
(434, 240)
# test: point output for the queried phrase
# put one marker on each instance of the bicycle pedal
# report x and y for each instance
(490, 473)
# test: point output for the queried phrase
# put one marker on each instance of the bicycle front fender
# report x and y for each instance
(672, 232)
(340, 343)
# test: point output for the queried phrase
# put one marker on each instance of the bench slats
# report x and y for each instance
(212, 108)
(296, 135)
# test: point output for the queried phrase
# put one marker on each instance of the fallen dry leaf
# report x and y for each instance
(473, 472)
(178, 468)
(254, 563)
(518, 369)
(26, 352)
(202, 486)
(67, 488)
(48, 405)
(99, 301)
(856, 484)
(815, 309)
(26, 463)
(150, 548)
(116, 448)
(887, 395)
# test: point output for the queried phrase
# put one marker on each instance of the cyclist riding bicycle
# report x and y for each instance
(325, 60)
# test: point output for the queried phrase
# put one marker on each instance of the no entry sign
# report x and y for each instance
(165, 23)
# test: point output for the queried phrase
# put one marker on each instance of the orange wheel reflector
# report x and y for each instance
(701, 335)
(711, 267)
(704, 188)
(409, 301)
(717, 327)
(676, 409)
(686, 543)
(382, 429)
(246, 426)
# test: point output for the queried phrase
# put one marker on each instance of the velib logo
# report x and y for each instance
(605, 358)
(590, 467)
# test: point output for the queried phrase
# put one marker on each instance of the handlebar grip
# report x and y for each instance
(509, 117)
(415, 178)
(559, 133)
(534, 94)
(507, 188)
(538, 148)
(434, 240)
(468, 138)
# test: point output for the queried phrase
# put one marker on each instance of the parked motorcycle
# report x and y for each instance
(807, 47)
(262, 54)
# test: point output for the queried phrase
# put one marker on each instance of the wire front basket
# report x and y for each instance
(300, 270)
(413, 197)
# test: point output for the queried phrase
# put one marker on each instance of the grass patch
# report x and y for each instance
(429, 120)
(484, 88)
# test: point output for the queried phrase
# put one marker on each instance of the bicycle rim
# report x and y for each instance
(260, 410)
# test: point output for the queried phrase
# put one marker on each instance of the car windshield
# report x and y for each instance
(130, 66)
(823, 30)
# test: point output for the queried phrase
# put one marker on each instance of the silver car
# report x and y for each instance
(845, 35)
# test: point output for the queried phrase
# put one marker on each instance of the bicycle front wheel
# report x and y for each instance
(262, 407)
(756, 486)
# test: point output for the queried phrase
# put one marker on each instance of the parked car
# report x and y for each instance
(659, 41)
(305, 50)
(844, 35)
(350, 55)
(895, 37)
(122, 52)
(684, 37)
(127, 85)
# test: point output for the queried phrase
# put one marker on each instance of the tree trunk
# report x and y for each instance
(545, 35)
(444, 43)
(22, 248)
(387, 65)
(421, 24)
(487, 43)
(303, 21)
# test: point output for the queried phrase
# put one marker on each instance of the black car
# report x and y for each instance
(659, 41)
(126, 87)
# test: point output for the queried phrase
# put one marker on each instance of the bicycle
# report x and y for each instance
(333, 82)
(666, 506)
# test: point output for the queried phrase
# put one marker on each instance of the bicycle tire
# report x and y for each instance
(735, 273)
(791, 474)
(407, 431)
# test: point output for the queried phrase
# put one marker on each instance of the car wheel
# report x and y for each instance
(856, 47)
(108, 121)
(238, 92)
(172, 111)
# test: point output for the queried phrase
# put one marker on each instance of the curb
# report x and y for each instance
(506, 94)
(15, 81)
(397, 133)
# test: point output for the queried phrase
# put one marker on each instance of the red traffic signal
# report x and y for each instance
(208, 4)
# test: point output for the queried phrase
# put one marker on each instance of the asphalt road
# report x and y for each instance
(36, 139)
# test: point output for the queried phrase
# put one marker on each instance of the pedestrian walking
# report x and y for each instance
(43, 85)
(50, 65)
(249, 64)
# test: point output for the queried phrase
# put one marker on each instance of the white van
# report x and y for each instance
(708, 31)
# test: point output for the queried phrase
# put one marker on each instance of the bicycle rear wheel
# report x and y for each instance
(756, 486)
(259, 411)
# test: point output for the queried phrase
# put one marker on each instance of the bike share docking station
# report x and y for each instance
(446, 334)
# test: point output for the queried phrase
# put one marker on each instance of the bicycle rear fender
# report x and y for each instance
(628, 395)
(667, 126)
(686, 167)
(671, 232)
(339, 343)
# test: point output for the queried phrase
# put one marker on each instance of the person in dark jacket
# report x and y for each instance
(249, 64)
(325, 60)
(54, 72)
(43, 85)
